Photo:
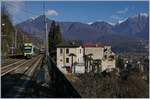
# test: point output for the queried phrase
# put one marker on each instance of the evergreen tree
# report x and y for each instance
(54, 38)
(120, 63)
(7, 30)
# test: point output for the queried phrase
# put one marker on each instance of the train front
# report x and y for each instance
(28, 50)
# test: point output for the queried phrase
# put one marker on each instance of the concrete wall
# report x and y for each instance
(97, 52)
(107, 64)
(79, 69)
(79, 55)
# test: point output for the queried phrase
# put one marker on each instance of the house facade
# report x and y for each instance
(64, 58)
(101, 53)
(95, 49)
(109, 59)
(71, 58)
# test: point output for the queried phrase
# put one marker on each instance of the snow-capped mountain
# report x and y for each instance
(128, 31)
(137, 26)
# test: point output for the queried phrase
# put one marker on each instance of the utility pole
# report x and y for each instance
(15, 40)
(46, 33)
(23, 38)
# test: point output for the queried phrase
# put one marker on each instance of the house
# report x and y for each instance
(70, 55)
(108, 60)
(77, 58)
(102, 53)
(95, 51)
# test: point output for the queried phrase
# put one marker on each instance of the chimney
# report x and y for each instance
(96, 45)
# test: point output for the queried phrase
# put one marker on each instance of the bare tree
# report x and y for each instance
(88, 58)
(97, 64)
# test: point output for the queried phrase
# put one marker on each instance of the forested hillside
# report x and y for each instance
(13, 38)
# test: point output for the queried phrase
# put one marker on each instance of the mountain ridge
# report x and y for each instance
(134, 28)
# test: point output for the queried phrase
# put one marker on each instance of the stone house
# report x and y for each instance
(64, 59)
(84, 57)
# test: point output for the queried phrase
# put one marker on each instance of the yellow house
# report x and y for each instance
(96, 50)
(69, 54)
(100, 52)
(71, 57)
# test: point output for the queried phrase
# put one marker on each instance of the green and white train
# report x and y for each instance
(30, 50)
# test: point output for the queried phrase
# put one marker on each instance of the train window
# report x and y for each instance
(27, 50)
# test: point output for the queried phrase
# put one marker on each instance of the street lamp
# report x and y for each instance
(3, 24)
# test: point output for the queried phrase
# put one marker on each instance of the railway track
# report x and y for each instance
(27, 80)
(29, 71)
(5, 62)
(11, 64)
(19, 65)
(20, 76)
(25, 68)
(8, 68)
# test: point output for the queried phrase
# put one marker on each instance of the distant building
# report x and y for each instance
(64, 60)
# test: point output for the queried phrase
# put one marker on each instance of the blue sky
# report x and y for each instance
(86, 12)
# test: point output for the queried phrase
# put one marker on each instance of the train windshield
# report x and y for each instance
(28, 49)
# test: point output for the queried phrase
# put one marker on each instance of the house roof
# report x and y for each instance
(68, 45)
(92, 45)
(75, 45)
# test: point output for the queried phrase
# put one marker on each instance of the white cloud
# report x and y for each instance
(51, 12)
(125, 10)
(118, 19)
(115, 17)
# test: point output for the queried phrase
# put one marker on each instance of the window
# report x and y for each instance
(80, 51)
(61, 51)
(67, 60)
(67, 51)
(105, 49)
(105, 56)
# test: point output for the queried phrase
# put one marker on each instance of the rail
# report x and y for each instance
(62, 86)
